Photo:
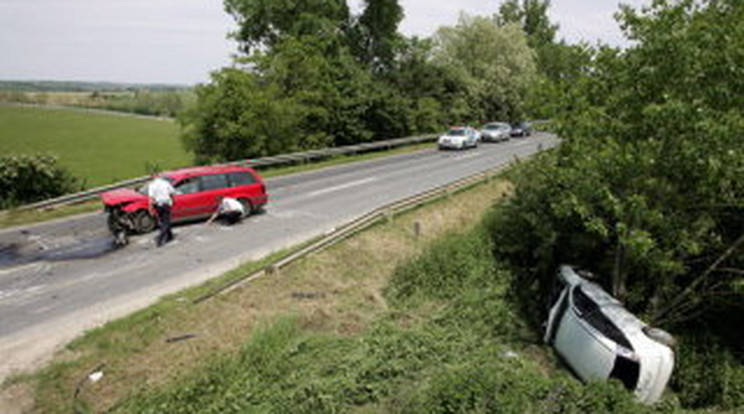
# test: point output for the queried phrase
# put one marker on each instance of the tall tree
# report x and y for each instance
(377, 35)
(262, 23)
(495, 63)
(532, 16)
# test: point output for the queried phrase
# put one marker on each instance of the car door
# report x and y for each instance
(213, 187)
(189, 200)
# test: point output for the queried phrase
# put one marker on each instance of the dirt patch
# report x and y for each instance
(16, 399)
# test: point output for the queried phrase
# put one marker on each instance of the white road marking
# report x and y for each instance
(473, 155)
(342, 187)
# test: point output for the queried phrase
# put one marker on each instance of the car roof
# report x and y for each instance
(183, 173)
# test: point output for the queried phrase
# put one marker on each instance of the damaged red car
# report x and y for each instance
(198, 194)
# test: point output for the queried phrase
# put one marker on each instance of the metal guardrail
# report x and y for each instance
(367, 220)
(292, 158)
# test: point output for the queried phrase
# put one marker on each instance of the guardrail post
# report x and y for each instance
(417, 229)
(272, 270)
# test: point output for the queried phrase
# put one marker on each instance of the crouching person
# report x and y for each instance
(230, 211)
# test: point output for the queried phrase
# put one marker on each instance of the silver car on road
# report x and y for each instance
(495, 132)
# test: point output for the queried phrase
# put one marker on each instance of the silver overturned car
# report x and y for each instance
(599, 339)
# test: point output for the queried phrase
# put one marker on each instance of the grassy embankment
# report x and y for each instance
(97, 148)
(386, 321)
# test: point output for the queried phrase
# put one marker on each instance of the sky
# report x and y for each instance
(182, 41)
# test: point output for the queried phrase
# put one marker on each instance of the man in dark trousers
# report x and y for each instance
(161, 193)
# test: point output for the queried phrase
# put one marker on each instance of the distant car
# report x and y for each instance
(495, 132)
(199, 191)
(521, 129)
(459, 138)
(599, 339)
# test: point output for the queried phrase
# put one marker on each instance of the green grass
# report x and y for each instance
(97, 148)
(468, 351)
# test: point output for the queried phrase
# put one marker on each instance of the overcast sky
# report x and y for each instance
(181, 41)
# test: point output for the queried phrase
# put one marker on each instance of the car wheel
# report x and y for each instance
(144, 222)
(247, 207)
(661, 336)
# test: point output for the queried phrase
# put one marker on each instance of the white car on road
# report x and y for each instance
(459, 138)
(599, 339)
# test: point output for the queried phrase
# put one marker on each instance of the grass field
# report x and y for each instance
(97, 148)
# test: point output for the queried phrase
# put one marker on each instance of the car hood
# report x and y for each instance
(120, 196)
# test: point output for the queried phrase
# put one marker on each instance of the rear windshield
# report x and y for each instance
(592, 314)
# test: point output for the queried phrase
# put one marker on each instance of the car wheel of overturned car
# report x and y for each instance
(144, 222)
(661, 336)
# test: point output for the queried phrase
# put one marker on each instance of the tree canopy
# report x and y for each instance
(646, 188)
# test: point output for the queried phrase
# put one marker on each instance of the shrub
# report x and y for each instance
(707, 374)
(29, 178)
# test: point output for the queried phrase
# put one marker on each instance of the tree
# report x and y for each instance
(263, 23)
(646, 187)
(376, 33)
(494, 63)
(237, 117)
(532, 17)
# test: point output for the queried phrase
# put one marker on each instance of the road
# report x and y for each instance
(61, 278)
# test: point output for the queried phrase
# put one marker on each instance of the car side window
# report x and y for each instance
(590, 312)
(188, 186)
(241, 178)
(213, 182)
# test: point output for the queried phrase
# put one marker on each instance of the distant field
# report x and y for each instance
(99, 148)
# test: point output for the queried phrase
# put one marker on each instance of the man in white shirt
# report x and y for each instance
(230, 210)
(161, 193)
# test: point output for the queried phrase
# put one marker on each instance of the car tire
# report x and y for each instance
(661, 336)
(248, 208)
(144, 222)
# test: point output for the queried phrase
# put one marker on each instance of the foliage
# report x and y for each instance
(28, 178)
(646, 188)
(263, 24)
(236, 116)
(707, 373)
(494, 63)
(375, 37)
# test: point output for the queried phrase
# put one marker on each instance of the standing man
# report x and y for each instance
(161, 193)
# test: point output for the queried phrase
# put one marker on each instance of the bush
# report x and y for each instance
(29, 178)
(708, 374)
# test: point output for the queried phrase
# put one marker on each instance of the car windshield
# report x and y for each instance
(493, 127)
(518, 125)
(456, 132)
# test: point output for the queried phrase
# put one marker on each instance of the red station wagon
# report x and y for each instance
(198, 194)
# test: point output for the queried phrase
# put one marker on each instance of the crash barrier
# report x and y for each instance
(365, 221)
(293, 158)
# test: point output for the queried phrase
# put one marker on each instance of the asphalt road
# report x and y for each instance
(58, 279)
